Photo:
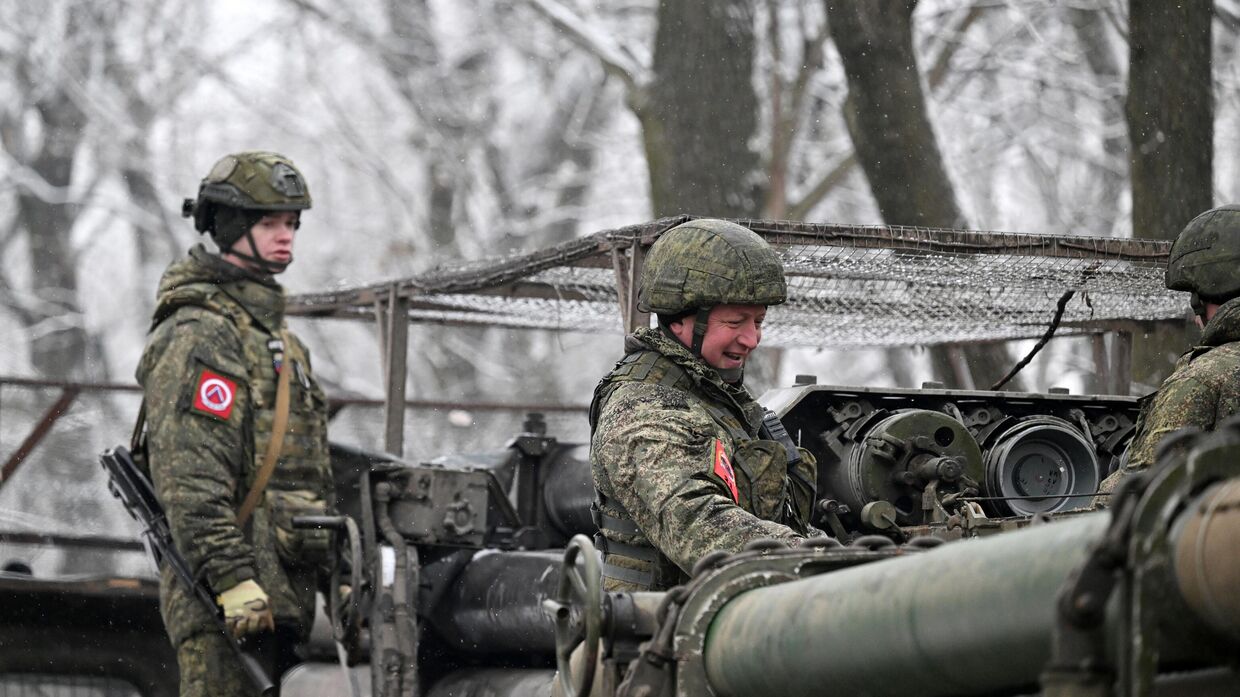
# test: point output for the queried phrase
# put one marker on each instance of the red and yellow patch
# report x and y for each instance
(723, 468)
(214, 395)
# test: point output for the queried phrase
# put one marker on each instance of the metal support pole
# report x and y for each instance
(395, 355)
(1121, 363)
(960, 366)
(1101, 383)
(628, 270)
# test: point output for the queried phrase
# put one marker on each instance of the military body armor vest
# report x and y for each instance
(303, 458)
(762, 465)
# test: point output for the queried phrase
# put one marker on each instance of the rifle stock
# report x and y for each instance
(133, 487)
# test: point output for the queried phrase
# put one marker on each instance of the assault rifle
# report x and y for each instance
(133, 487)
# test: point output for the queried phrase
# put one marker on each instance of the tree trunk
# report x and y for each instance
(700, 113)
(886, 113)
(58, 344)
(895, 144)
(1170, 113)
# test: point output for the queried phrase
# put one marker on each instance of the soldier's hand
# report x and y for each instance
(246, 609)
(342, 606)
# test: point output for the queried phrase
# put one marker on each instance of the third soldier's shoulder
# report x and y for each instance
(1218, 367)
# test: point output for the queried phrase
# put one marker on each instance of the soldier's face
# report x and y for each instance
(273, 237)
(732, 332)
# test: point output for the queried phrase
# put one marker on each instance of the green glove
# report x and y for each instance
(246, 609)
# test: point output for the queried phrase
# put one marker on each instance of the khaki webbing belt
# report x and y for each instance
(619, 573)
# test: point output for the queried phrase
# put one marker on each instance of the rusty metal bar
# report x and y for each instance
(44, 425)
(635, 318)
(628, 271)
(69, 384)
(620, 267)
(77, 541)
(335, 402)
(396, 354)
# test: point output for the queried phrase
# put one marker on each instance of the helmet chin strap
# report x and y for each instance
(1198, 305)
(701, 322)
(266, 266)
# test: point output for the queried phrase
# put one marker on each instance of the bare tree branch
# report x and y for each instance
(831, 179)
(616, 59)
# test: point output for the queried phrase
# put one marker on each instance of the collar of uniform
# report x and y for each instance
(706, 377)
(1224, 326)
(259, 294)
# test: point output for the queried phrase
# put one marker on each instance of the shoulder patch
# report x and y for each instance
(214, 394)
(723, 470)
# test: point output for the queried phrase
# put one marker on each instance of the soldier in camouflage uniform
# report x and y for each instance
(683, 463)
(217, 344)
(1204, 389)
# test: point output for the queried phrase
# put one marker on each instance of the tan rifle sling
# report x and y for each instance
(279, 427)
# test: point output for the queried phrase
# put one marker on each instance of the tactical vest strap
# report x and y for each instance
(612, 548)
(612, 523)
(726, 418)
(638, 552)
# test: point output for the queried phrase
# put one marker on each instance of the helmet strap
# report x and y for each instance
(700, 322)
(264, 265)
(1198, 305)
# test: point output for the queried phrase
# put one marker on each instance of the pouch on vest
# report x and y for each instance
(803, 476)
(761, 473)
(299, 546)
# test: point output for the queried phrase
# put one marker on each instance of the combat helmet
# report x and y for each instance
(707, 262)
(238, 191)
(1205, 255)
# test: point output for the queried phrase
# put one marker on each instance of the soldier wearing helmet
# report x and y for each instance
(683, 458)
(236, 428)
(1204, 388)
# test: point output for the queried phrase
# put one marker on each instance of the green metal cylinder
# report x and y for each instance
(970, 617)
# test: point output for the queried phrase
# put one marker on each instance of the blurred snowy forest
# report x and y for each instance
(431, 130)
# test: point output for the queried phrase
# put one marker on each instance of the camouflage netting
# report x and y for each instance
(849, 286)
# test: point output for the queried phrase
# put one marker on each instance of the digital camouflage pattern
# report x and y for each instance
(1206, 255)
(213, 327)
(209, 668)
(708, 262)
(1203, 390)
(663, 422)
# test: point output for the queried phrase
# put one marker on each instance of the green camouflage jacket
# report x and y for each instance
(678, 467)
(209, 378)
(1203, 390)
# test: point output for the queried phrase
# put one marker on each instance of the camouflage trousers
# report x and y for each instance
(210, 669)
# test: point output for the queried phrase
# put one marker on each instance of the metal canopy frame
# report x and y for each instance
(822, 262)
